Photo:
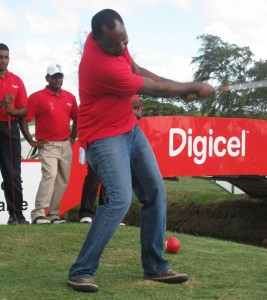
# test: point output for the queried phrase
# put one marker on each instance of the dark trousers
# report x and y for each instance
(11, 167)
(89, 194)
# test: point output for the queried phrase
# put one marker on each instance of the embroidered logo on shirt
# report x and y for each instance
(51, 105)
(15, 86)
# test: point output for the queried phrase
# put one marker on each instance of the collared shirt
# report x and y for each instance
(12, 84)
(52, 114)
(106, 86)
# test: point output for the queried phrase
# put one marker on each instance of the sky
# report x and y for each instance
(162, 33)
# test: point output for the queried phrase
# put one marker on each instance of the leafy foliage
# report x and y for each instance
(224, 64)
(257, 99)
(153, 106)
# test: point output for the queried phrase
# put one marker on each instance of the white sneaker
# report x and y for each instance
(58, 221)
(41, 221)
(86, 220)
(122, 224)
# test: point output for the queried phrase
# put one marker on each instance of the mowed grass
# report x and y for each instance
(196, 190)
(34, 261)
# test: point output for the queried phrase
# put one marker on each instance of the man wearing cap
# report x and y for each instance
(53, 109)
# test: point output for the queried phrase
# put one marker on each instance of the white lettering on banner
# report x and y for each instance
(31, 175)
(201, 147)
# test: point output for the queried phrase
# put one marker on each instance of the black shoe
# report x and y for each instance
(169, 276)
(23, 222)
(20, 220)
(12, 221)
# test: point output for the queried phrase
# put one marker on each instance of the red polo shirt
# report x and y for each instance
(106, 86)
(52, 114)
(12, 84)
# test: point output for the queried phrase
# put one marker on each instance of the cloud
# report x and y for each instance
(125, 8)
(243, 20)
(238, 13)
(9, 21)
(177, 68)
(63, 23)
(182, 4)
(225, 32)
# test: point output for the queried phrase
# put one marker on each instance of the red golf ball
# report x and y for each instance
(172, 245)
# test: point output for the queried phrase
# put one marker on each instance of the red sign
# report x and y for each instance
(193, 146)
(199, 146)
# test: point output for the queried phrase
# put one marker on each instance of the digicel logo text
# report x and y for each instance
(201, 147)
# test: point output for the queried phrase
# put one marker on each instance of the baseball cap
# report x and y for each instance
(53, 69)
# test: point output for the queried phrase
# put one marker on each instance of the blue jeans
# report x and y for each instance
(125, 162)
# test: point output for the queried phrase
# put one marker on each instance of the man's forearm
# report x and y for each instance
(19, 112)
(23, 124)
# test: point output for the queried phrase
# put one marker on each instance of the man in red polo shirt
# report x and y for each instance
(13, 105)
(119, 152)
(53, 108)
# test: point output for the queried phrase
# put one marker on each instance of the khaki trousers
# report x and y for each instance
(56, 158)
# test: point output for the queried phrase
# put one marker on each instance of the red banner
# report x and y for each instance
(198, 146)
(193, 146)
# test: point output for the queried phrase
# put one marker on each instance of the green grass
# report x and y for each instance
(34, 261)
(193, 190)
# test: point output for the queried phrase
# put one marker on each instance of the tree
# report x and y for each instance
(153, 106)
(222, 63)
(257, 104)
